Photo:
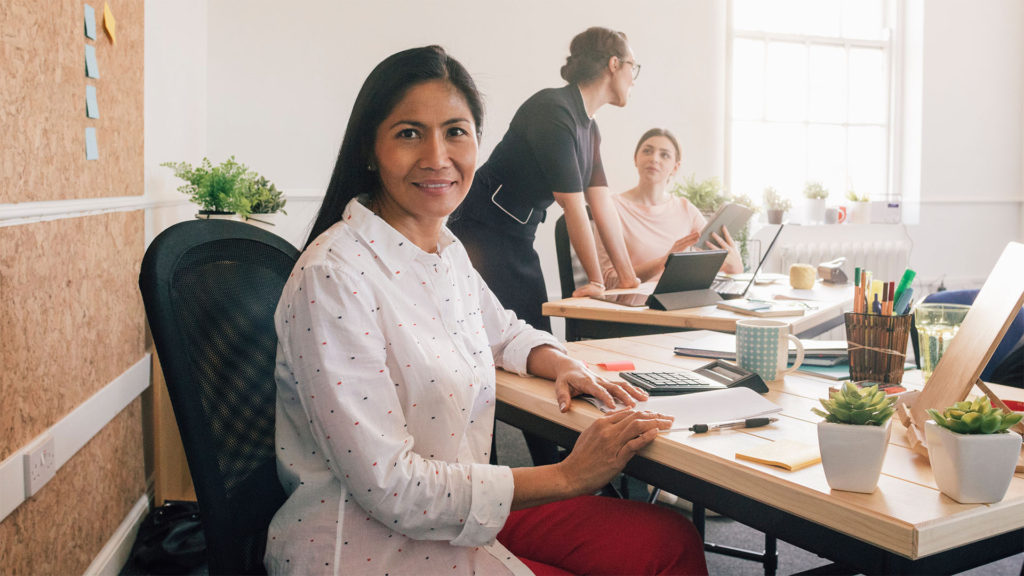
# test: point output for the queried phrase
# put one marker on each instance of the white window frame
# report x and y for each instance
(893, 49)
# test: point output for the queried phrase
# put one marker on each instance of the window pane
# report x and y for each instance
(826, 158)
(751, 14)
(785, 81)
(748, 79)
(818, 17)
(868, 153)
(863, 19)
(828, 84)
(868, 86)
(784, 155)
(748, 168)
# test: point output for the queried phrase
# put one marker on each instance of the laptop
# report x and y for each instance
(730, 289)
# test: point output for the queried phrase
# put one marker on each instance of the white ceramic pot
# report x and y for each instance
(859, 213)
(852, 455)
(815, 210)
(972, 468)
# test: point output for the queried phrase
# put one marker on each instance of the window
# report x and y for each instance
(812, 94)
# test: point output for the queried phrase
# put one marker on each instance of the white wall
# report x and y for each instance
(273, 85)
(971, 137)
(175, 103)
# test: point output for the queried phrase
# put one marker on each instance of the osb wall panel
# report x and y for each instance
(63, 527)
(42, 101)
(71, 316)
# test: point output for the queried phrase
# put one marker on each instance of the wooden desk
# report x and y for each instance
(831, 302)
(906, 525)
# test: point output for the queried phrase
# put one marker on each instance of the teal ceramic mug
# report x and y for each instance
(762, 346)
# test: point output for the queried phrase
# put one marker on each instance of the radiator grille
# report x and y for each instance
(885, 259)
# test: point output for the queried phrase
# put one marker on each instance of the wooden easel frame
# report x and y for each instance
(960, 367)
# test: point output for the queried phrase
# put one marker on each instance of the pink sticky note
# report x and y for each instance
(624, 365)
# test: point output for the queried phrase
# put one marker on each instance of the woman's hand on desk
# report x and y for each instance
(574, 378)
(604, 448)
(588, 289)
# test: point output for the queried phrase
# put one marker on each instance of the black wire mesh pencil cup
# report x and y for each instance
(877, 346)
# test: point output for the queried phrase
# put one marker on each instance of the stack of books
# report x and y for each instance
(710, 344)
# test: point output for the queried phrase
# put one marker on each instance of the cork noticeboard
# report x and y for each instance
(43, 101)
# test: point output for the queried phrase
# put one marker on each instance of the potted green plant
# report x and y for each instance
(708, 196)
(859, 211)
(775, 205)
(854, 436)
(972, 450)
(215, 189)
(265, 200)
(816, 194)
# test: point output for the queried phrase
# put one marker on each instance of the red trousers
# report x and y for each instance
(598, 535)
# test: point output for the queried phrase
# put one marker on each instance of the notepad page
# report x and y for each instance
(705, 407)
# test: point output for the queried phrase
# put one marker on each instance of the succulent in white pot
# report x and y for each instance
(972, 450)
(854, 436)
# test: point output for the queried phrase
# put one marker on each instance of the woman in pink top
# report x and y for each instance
(656, 223)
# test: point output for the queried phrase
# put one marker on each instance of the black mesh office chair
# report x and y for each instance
(569, 270)
(210, 288)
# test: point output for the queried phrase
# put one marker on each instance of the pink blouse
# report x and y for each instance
(649, 231)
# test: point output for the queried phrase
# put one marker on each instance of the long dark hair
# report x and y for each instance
(383, 89)
(589, 53)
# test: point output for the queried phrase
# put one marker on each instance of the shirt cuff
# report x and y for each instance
(493, 489)
(518, 350)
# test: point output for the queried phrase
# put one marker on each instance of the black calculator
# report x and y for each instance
(715, 375)
(665, 383)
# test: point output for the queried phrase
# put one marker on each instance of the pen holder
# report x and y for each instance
(877, 346)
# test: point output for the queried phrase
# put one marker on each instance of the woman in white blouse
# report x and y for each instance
(388, 342)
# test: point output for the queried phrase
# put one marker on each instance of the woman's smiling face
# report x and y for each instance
(426, 153)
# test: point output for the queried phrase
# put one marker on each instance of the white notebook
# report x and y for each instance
(709, 407)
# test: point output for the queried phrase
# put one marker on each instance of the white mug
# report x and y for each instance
(762, 346)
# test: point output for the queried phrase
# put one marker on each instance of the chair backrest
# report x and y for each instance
(210, 288)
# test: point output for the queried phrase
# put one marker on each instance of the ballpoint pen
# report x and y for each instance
(748, 423)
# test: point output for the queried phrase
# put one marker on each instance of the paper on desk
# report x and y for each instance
(705, 407)
(788, 454)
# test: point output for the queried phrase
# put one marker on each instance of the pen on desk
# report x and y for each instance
(748, 423)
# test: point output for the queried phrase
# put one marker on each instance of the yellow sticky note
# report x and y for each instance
(788, 454)
(108, 23)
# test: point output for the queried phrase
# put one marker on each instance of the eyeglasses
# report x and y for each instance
(635, 65)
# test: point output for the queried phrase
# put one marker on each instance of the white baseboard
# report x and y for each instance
(114, 554)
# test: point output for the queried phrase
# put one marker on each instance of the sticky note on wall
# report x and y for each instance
(92, 109)
(90, 22)
(92, 69)
(92, 151)
(109, 24)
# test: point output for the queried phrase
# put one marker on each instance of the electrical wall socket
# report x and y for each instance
(40, 464)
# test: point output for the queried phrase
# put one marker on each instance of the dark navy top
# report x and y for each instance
(551, 146)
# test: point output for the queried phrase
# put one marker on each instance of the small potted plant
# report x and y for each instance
(816, 195)
(775, 205)
(215, 189)
(854, 436)
(265, 200)
(972, 450)
(860, 210)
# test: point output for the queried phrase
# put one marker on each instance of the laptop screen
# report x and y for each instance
(732, 287)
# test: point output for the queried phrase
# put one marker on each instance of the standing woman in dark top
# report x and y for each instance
(551, 153)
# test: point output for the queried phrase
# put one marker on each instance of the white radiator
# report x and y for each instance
(882, 249)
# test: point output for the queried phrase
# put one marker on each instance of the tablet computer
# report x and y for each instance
(690, 271)
(732, 216)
